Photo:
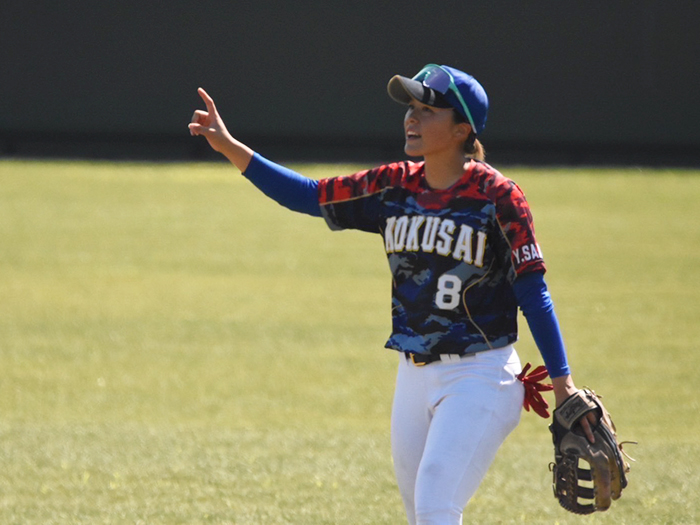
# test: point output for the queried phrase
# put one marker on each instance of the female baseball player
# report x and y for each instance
(463, 256)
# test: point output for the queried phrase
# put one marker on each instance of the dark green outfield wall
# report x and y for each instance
(559, 74)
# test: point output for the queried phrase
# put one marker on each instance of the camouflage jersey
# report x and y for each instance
(453, 253)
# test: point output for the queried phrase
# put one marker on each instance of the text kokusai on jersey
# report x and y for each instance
(433, 234)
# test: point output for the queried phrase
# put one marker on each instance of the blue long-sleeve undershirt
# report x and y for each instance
(536, 304)
(300, 194)
(286, 187)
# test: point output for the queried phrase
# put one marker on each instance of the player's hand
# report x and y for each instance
(210, 125)
(563, 388)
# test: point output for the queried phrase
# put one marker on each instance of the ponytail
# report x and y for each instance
(473, 148)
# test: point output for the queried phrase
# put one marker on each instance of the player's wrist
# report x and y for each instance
(563, 388)
(236, 152)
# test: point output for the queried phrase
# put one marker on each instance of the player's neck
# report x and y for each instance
(442, 171)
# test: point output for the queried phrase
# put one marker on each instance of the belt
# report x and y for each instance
(426, 359)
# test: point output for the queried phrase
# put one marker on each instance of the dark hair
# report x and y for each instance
(472, 147)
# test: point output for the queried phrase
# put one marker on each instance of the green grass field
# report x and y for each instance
(175, 348)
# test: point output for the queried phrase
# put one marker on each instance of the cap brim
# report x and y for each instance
(403, 90)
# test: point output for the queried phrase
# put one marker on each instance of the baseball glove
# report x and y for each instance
(605, 478)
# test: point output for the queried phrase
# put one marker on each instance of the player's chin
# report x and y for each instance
(412, 148)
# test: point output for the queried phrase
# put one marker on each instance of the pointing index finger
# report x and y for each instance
(208, 101)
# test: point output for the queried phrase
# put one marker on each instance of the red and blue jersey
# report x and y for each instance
(454, 254)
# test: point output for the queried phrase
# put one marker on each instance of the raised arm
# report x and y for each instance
(210, 125)
(288, 188)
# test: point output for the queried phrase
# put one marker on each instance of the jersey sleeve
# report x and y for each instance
(355, 201)
(521, 250)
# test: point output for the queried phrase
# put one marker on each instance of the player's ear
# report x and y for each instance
(462, 130)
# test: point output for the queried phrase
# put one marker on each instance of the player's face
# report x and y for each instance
(431, 131)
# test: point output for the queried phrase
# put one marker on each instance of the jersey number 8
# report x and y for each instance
(449, 288)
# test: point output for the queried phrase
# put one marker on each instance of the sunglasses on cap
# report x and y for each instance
(435, 77)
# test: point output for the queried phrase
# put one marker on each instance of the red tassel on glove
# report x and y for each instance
(533, 387)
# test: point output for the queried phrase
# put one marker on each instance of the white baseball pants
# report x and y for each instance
(448, 420)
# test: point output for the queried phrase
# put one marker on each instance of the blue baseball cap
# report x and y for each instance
(444, 87)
